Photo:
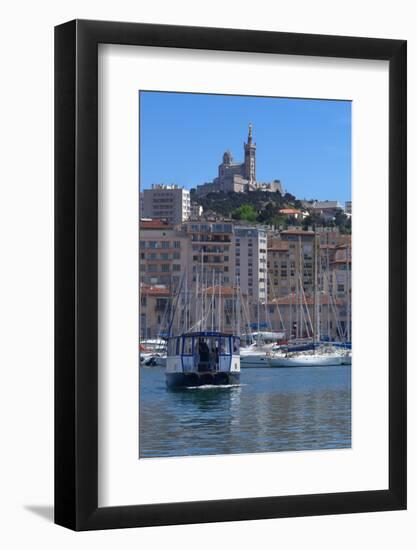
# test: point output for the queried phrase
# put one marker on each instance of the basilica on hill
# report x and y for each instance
(239, 177)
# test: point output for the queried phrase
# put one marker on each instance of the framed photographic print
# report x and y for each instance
(230, 275)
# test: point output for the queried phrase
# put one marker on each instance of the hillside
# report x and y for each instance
(258, 206)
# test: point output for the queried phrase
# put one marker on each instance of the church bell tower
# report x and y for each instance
(250, 158)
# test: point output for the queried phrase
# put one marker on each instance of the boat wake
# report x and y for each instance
(215, 386)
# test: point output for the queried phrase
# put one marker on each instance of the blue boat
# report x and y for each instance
(202, 358)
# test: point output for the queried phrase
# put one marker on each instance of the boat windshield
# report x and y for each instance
(207, 346)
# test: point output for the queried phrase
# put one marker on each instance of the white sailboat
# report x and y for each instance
(320, 356)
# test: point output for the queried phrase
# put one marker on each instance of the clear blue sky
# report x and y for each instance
(304, 143)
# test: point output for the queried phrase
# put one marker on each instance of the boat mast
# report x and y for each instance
(259, 334)
(328, 290)
(237, 306)
(220, 314)
(348, 291)
(196, 300)
(316, 301)
(212, 299)
(202, 292)
(300, 297)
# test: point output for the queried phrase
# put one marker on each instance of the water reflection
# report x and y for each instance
(272, 410)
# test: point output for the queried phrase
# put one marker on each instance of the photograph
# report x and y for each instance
(245, 274)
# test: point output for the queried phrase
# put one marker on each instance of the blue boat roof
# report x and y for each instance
(205, 334)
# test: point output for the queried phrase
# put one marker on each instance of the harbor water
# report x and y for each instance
(271, 410)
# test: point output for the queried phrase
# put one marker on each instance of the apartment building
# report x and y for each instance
(155, 310)
(326, 209)
(163, 254)
(286, 314)
(291, 262)
(169, 202)
(211, 254)
(278, 262)
(250, 244)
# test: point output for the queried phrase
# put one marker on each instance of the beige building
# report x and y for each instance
(290, 262)
(293, 258)
(278, 261)
(163, 254)
(299, 321)
(250, 245)
(275, 280)
(155, 310)
(168, 202)
(211, 254)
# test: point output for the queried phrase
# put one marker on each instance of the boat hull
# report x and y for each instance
(307, 361)
(154, 361)
(178, 380)
(254, 361)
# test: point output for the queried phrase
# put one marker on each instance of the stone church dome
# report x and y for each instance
(227, 157)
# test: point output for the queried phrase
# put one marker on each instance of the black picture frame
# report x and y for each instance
(76, 272)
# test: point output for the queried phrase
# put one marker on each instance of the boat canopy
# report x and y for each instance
(193, 343)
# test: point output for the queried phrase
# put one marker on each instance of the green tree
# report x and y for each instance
(245, 212)
(267, 214)
(313, 220)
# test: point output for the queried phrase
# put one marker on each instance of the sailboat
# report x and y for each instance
(318, 355)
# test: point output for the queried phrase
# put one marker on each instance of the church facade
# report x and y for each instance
(239, 177)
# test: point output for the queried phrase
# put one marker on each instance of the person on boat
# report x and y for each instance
(216, 357)
(203, 351)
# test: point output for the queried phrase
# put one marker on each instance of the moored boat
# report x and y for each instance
(154, 360)
(252, 357)
(202, 358)
(307, 360)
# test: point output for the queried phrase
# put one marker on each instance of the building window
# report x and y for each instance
(177, 244)
(176, 267)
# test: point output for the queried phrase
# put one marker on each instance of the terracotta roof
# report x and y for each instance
(224, 290)
(297, 232)
(294, 300)
(155, 290)
(289, 211)
(154, 224)
(342, 261)
(279, 246)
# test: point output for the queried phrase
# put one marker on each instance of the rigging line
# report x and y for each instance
(175, 306)
(274, 299)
